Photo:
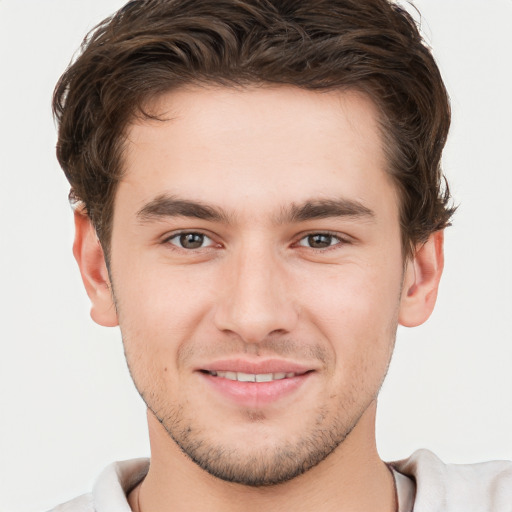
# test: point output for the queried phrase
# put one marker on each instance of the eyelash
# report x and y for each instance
(340, 240)
(177, 236)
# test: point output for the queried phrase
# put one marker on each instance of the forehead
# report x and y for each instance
(267, 146)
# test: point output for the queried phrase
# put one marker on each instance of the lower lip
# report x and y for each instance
(255, 394)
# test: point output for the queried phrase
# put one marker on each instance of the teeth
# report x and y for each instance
(253, 377)
(244, 377)
(264, 377)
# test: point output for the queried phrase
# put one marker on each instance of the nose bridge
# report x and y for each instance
(256, 301)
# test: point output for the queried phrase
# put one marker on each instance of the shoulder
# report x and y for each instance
(110, 489)
(486, 486)
(84, 503)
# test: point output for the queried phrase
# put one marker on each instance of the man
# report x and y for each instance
(258, 205)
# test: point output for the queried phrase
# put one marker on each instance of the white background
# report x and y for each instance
(68, 407)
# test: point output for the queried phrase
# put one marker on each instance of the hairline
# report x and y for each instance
(141, 112)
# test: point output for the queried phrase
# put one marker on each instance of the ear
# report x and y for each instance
(91, 260)
(421, 281)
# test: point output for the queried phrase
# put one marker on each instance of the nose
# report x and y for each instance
(256, 299)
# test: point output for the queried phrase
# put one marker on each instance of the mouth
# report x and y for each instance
(254, 377)
(255, 384)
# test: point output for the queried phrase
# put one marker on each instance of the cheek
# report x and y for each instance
(160, 297)
(355, 296)
(356, 311)
(159, 312)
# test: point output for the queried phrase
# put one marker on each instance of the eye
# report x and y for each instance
(320, 241)
(190, 240)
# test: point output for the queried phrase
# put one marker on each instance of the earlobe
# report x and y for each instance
(91, 261)
(421, 281)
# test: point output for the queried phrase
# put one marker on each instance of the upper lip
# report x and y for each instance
(255, 367)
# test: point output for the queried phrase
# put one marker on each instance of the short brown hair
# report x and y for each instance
(153, 46)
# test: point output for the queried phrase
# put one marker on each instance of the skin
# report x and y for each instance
(263, 280)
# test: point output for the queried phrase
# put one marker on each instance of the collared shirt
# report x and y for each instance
(424, 483)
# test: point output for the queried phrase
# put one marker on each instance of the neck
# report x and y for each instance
(352, 478)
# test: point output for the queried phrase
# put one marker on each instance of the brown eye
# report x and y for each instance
(319, 241)
(190, 240)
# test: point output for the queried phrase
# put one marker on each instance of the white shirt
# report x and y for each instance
(424, 484)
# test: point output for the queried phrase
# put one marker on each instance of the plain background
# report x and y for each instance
(68, 407)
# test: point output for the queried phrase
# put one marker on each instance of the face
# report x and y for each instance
(257, 271)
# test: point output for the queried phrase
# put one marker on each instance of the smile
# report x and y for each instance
(257, 388)
(253, 377)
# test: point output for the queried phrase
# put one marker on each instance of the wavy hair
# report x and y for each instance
(154, 46)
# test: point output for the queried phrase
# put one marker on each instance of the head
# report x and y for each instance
(264, 179)
(151, 47)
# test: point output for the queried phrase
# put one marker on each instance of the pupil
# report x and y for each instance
(319, 241)
(191, 240)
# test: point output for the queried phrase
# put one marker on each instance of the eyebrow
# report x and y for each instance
(325, 208)
(171, 206)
